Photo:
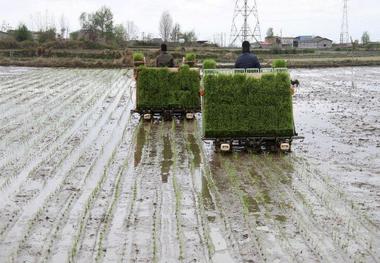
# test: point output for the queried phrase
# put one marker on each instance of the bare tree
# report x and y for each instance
(132, 31)
(120, 34)
(42, 22)
(166, 25)
(176, 33)
(64, 26)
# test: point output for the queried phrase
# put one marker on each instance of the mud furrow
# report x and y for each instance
(114, 243)
(270, 214)
(70, 182)
(194, 246)
(18, 78)
(139, 242)
(51, 92)
(342, 226)
(17, 84)
(51, 185)
(51, 131)
(302, 216)
(330, 192)
(19, 120)
(225, 245)
(102, 212)
(14, 183)
(24, 98)
(72, 234)
(20, 131)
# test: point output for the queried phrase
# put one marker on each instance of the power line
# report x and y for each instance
(245, 23)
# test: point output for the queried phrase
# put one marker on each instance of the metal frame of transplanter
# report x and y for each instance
(167, 115)
(254, 143)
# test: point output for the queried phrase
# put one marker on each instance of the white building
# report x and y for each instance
(4, 35)
(311, 42)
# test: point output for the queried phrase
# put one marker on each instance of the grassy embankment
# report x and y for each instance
(106, 58)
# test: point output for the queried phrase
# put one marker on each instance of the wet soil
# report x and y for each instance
(82, 180)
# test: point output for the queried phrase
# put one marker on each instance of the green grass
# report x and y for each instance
(279, 63)
(190, 57)
(161, 89)
(209, 64)
(138, 56)
(237, 105)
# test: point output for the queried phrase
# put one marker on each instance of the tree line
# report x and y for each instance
(100, 26)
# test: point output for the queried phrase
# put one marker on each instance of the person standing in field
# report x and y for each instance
(164, 59)
(247, 59)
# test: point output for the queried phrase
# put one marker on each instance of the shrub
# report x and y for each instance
(209, 64)
(22, 33)
(161, 88)
(46, 36)
(238, 105)
(8, 44)
(190, 57)
(279, 63)
(137, 56)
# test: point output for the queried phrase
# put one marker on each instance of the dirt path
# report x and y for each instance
(82, 180)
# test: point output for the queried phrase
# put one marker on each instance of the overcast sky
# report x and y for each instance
(207, 17)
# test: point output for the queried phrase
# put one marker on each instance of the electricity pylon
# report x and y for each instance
(344, 35)
(245, 23)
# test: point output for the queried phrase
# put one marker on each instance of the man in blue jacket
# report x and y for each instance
(247, 59)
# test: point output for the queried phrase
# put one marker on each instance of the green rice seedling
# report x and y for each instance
(209, 64)
(138, 56)
(237, 105)
(163, 89)
(279, 63)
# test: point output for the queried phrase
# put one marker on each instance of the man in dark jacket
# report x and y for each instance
(164, 59)
(247, 59)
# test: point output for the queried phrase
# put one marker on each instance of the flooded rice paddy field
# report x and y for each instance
(81, 180)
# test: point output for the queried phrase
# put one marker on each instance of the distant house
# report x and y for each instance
(312, 42)
(156, 40)
(4, 35)
(287, 42)
(273, 41)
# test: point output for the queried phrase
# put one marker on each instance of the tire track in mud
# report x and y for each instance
(49, 133)
(232, 203)
(223, 244)
(138, 244)
(279, 239)
(194, 241)
(50, 187)
(114, 242)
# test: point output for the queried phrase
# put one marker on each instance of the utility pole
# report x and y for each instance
(344, 35)
(245, 23)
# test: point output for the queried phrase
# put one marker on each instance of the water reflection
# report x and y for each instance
(140, 142)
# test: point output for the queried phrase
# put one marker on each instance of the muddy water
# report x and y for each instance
(157, 193)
